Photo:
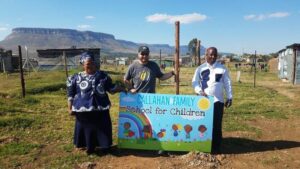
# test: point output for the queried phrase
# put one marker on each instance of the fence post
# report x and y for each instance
(254, 63)
(176, 56)
(21, 72)
(65, 63)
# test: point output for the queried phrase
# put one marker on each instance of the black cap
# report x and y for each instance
(144, 49)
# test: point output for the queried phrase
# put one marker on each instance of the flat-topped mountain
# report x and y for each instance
(45, 38)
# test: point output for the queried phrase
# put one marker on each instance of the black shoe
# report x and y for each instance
(162, 153)
(90, 152)
(106, 150)
(216, 151)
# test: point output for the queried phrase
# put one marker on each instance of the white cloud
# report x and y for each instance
(84, 27)
(2, 29)
(184, 19)
(89, 17)
(249, 17)
(261, 17)
(279, 15)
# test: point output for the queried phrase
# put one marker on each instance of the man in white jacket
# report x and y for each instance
(211, 78)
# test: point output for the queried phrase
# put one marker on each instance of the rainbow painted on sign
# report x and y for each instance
(141, 121)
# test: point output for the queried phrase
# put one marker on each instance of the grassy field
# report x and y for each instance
(37, 132)
(152, 144)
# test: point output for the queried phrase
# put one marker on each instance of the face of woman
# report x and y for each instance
(89, 66)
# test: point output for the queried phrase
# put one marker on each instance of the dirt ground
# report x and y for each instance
(278, 147)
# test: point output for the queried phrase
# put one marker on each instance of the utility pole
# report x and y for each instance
(21, 72)
(254, 63)
(176, 56)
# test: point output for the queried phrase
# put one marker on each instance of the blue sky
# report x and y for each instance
(232, 26)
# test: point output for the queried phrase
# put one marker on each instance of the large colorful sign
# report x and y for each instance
(165, 122)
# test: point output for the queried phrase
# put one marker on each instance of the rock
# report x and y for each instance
(211, 165)
(220, 157)
(87, 165)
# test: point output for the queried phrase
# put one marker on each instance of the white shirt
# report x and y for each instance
(212, 79)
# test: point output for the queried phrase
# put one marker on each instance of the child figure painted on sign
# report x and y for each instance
(127, 131)
(202, 129)
(188, 128)
(177, 128)
(147, 132)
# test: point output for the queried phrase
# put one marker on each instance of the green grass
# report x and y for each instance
(152, 144)
(18, 148)
(37, 132)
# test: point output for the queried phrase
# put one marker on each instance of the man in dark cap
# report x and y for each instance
(141, 75)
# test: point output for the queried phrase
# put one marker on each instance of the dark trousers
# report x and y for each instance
(217, 127)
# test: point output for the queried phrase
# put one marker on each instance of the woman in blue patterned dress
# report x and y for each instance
(89, 102)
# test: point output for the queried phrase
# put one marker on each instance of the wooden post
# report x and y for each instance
(198, 52)
(65, 63)
(159, 63)
(254, 63)
(21, 72)
(159, 57)
(238, 76)
(176, 56)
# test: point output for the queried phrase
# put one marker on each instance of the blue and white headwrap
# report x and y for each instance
(85, 56)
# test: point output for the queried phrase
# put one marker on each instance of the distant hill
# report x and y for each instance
(44, 38)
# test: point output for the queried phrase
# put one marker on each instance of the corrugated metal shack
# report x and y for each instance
(51, 59)
(289, 63)
(6, 61)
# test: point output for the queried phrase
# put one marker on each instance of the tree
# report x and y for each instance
(192, 49)
(273, 55)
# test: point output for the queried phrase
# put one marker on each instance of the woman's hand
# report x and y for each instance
(71, 113)
(133, 91)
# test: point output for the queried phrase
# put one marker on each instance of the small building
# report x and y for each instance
(169, 61)
(289, 63)
(6, 61)
(185, 60)
(110, 61)
(122, 61)
(51, 59)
